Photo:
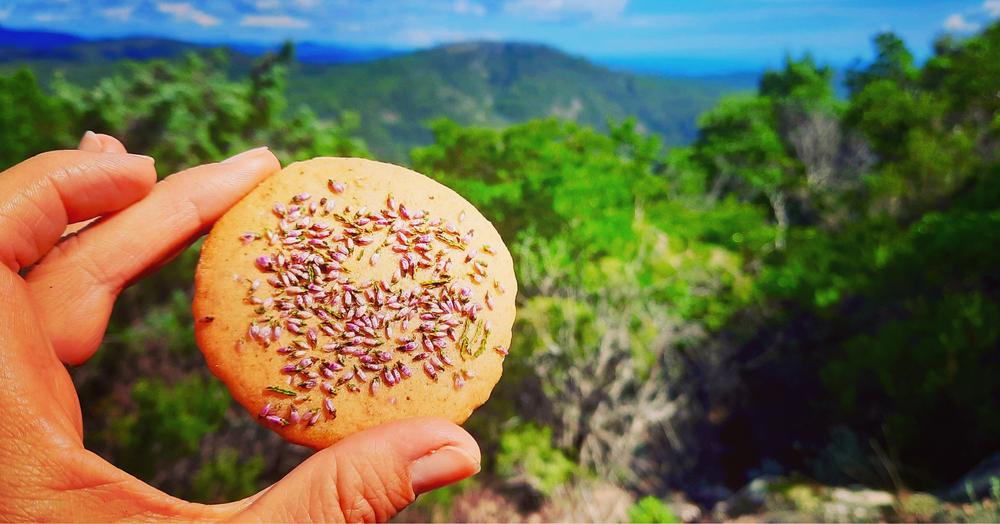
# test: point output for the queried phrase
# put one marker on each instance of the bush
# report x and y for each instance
(651, 510)
(527, 455)
(226, 477)
(168, 422)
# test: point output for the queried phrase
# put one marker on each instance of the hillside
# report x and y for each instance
(477, 83)
(495, 84)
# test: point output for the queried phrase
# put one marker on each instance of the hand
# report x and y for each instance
(56, 314)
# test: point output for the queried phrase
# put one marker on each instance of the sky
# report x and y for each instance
(701, 36)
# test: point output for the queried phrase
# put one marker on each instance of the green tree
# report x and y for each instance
(800, 84)
(30, 121)
(893, 61)
(550, 176)
(189, 112)
(894, 313)
(783, 147)
(740, 145)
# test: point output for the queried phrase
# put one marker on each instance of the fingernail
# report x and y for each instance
(89, 140)
(144, 157)
(88, 133)
(245, 154)
(441, 467)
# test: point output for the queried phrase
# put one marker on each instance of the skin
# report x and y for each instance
(58, 283)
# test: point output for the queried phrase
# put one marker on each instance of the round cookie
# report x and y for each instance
(342, 293)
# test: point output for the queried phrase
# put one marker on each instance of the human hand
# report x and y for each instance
(55, 300)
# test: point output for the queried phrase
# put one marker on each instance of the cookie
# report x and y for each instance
(342, 293)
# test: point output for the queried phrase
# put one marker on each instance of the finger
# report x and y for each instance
(96, 143)
(110, 144)
(77, 282)
(39, 196)
(100, 143)
(371, 475)
(38, 394)
(90, 142)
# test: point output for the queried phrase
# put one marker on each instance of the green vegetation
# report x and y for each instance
(650, 509)
(496, 84)
(168, 422)
(30, 121)
(809, 286)
(226, 477)
(484, 84)
(526, 453)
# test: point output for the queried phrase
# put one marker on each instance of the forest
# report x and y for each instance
(801, 305)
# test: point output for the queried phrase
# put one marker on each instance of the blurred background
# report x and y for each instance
(757, 242)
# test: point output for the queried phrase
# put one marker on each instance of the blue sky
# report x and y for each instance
(720, 35)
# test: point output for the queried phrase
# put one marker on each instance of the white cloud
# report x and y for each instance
(957, 22)
(283, 21)
(120, 13)
(561, 9)
(467, 7)
(422, 37)
(992, 7)
(48, 17)
(269, 5)
(661, 21)
(187, 12)
(5, 13)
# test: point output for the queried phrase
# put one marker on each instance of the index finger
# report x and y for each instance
(39, 196)
(76, 284)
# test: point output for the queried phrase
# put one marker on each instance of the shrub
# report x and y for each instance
(168, 422)
(651, 510)
(226, 477)
(527, 454)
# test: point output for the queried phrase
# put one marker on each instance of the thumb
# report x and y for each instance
(371, 475)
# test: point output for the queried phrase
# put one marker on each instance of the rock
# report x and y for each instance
(776, 499)
(854, 505)
(868, 498)
(708, 495)
(683, 509)
(749, 499)
(977, 481)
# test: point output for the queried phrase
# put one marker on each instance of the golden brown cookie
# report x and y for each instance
(342, 293)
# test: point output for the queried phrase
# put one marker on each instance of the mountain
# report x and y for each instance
(495, 84)
(82, 60)
(39, 40)
(474, 83)
(20, 45)
(38, 45)
(314, 53)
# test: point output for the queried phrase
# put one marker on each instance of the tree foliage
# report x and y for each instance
(894, 311)
(30, 121)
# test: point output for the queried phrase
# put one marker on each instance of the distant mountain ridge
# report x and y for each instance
(16, 44)
(499, 83)
(313, 53)
(488, 84)
(38, 40)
